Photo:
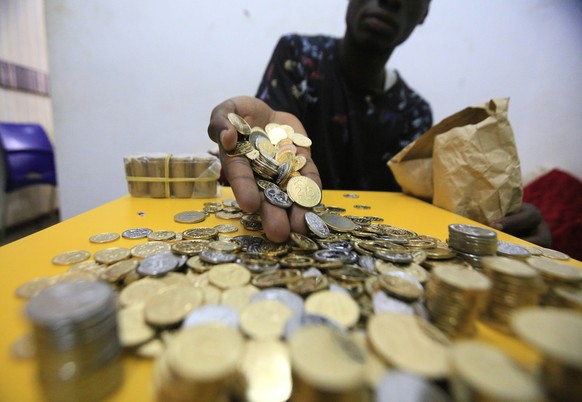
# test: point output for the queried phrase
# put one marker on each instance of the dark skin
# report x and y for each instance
(374, 28)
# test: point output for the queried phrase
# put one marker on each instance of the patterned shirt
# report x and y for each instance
(354, 133)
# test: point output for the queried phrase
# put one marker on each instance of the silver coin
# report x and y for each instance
(136, 233)
(225, 228)
(327, 255)
(278, 197)
(158, 264)
(316, 225)
(397, 258)
(511, 250)
(216, 257)
(351, 195)
(212, 313)
(476, 231)
(296, 322)
(337, 245)
(228, 215)
(190, 216)
(399, 386)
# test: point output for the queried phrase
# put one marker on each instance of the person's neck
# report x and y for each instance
(364, 68)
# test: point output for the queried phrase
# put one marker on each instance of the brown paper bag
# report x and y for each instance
(467, 164)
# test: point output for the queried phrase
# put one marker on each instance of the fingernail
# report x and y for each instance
(496, 225)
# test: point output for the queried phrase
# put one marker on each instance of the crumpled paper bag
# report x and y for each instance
(467, 164)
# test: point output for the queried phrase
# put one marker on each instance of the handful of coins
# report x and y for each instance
(272, 153)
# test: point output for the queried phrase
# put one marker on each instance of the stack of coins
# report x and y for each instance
(556, 334)
(455, 298)
(515, 285)
(472, 242)
(555, 274)
(75, 332)
(199, 364)
(482, 372)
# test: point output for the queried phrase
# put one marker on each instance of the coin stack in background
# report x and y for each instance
(77, 346)
(556, 333)
(456, 297)
(562, 281)
(515, 285)
(160, 175)
(472, 242)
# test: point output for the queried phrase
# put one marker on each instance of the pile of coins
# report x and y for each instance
(559, 278)
(455, 298)
(472, 242)
(322, 316)
(515, 285)
(75, 335)
(272, 152)
(555, 333)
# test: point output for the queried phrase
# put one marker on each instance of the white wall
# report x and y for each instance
(142, 75)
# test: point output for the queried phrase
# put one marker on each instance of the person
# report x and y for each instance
(357, 112)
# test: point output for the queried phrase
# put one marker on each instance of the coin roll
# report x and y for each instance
(136, 166)
(156, 167)
(206, 170)
(182, 166)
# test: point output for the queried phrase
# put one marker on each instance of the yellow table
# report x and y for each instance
(31, 257)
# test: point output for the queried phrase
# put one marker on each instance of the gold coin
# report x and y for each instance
(104, 237)
(150, 248)
(172, 305)
(190, 217)
(401, 286)
(304, 191)
(71, 257)
(490, 374)
(140, 291)
(308, 285)
(266, 368)
(301, 140)
(189, 247)
(111, 255)
(162, 235)
(327, 358)
(229, 275)
(410, 343)
(212, 294)
(555, 270)
(205, 353)
(34, 287)
(265, 319)
(554, 254)
(336, 306)
(200, 234)
(238, 298)
(239, 123)
(277, 277)
(133, 330)
(224, 246)
(116, 272)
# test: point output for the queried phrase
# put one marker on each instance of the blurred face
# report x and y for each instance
(383, 24)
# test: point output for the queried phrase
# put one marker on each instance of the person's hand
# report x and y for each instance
(277, 222)
(527, 224)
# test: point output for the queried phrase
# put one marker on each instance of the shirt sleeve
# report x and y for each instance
(282, 84)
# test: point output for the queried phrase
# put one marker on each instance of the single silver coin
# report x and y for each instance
(278, 197)
(397, 258)
(316, 225)
(512, 250)
(226, 228)
(327, 255)
(216, 257)
(158, 264)
(136, 233)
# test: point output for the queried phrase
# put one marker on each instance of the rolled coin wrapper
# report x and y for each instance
(160, 175)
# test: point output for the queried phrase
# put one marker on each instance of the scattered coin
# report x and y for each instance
(104, 237)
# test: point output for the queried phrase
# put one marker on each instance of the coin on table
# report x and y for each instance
(104, 237)
(338, 222)
(265, 319)
(276, 277)
(216, 257)
(190, 217)
(133, 330)
(239, 123)
(111, 255)
(172, 305)
(118, 271)
(158, 264)
(140, 291)
(401, 286)
(554, 254)
(508, 249)
(229, 275)
(226, 228)
(34, 287)
(202, 233)
(304, 191)
(228, 215)
(150, 248)
(71, 257)
(162, 235)
(136, 233)
(308, 285)
(189, 247)
(335, 306)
